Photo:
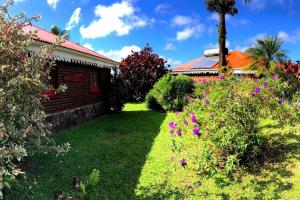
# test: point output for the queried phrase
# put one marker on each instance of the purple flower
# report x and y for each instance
(183, 162)
(298, 106)
(206, 101)
(186, 123)
(172, 132)
(281, 100)
(265, 84)
(274, 78)
(172, 125)
(193, 118)
(257, 90)
(188, 98)
(196, 131)
(252, 94)
(178, 132)
(221, 77)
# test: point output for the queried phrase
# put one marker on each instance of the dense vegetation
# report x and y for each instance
(170, 93)
(23, 78)
(218, 132)
(140, 71)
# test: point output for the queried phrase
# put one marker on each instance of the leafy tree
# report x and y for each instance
(57, 31)
(267, 53)
(23, 128)
(140, 71)
(223, 7)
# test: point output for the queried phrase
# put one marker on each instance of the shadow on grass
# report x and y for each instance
(278, 161)
(116, 144)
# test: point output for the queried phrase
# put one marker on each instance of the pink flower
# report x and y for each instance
(206, 101)
(221, 77)
(172, 125)
(183, 162)
(178, 132)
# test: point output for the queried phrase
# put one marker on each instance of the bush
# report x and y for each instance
(170, 92)
(218, 132)
(23, 128)
(140, 71)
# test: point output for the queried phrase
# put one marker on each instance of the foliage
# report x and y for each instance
(170, 93)
(219, 132)
(22, 120)
(140, 71)
(292, 68)
(118, 92)
(267, 53)
(62, 33)
(88, 190)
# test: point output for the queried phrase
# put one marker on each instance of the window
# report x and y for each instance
(95, 86)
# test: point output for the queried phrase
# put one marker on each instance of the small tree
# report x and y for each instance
(23, 128)
(140, 71)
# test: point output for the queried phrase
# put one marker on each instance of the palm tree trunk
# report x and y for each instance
(222, 39)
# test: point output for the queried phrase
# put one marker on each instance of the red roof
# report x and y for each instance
(235, 59)
(45, 36)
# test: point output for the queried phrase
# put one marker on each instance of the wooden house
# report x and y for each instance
(85, 73)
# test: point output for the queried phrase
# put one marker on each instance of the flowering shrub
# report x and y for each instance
(170, 92)
(218, 131)
(23, 129)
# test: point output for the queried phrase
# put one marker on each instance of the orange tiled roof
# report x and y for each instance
(235, 59)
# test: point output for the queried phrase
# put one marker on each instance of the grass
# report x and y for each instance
(132, 150)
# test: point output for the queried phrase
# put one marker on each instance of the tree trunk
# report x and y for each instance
(222, 39)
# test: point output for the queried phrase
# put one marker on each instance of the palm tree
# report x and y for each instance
(267, 52)
(57, 31)
(222, 7)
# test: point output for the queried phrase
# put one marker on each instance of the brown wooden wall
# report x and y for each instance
(77, 79)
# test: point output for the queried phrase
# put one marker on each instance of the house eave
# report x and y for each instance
(71, 56)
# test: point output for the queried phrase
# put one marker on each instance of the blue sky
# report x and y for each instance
(177, 30)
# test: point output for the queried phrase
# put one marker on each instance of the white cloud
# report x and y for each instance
(169, 46)
(53, 3)
(251, 41)
(241, 48)
(214, 17)
(117, 18)
(234, 21)
(291, 38)
(74, 19)
(215, 45)
(180, 20)
(121, 53)
(162, 8)
(258, 5)
(173, 63)
(87, 45)
(188, 32)
(17, 1)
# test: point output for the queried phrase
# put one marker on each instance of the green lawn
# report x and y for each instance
(132, 151)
